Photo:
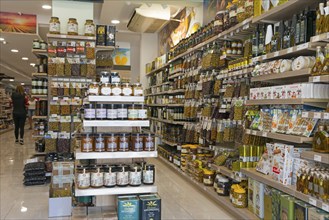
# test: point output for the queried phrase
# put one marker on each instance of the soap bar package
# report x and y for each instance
(287, 207)
(128, 208)
(259, 199)
(301, 210)
(267, 203)
(150, 207)
(279, 92)
(276, 204)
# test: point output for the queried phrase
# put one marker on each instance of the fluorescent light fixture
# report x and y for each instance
(32, 64)
(25, 58)
(14, 50)
(46, 7)
(11, 80)
(22, 84)
(115, 21)
(2, 39)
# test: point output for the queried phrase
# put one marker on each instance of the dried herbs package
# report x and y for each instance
(50, 142)
(52, 51)
(51, 66)
(63, 143)
(54, 88)
(75, 67)
(65, 124)
(78, 86)
(60, 88)
(72, 88)
(83, 67)
(238, 110)
(91, 68)
(61, 51)
(68, 66)
(220, 132)
(80, 47)
(54, 107)
(90, 50)
(65, 107)
(66, 86)
(53, 124)
(60, 66)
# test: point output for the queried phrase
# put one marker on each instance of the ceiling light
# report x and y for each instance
(22, 84)
(4, 42)
(11, 80)
(2, 39)
(46, 7)
(115, 21)
(25, 58)
(14, 50)
(32, 64)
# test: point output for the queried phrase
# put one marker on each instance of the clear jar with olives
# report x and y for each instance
(89, 28)
(97, 174)
(72, 26)
(54, 26)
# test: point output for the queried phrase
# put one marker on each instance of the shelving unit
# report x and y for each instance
(319, 115)
(312, 102)
(315, 156)
(39, 117)
(322, 79)
(116, 191)
(116, 123)
(40, 53)
(227, 172)
(169, 121)
(114, 155)
(282, 76)
(73, 37)
(40, 75)
(116, 99)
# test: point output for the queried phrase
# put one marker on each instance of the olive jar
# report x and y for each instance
(110, 175)
(148, 174)
(83, 177)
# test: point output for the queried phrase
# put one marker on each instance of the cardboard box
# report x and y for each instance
(276, 204)
(128, 208)
(150, 207)
(60, 207)
(254, 93)
(267, 203)
(316, 214)
(287, 207)
(279, 92)
(298, 165)
(62, 168)
(259, 199)
(251, 195)
(301, 210)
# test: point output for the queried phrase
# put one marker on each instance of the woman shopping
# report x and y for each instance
(20, 104)
(31, 110)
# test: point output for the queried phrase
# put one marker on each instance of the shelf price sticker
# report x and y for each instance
(325, 115)
(315, 38)
(254, 132)
(305, 115)
(317, 158)
(264, 134)
(264, 57)
(317, 115)
(302, 46)
(316, 79)
(290, 49)
(247, 131)
(276, 54)
(312, 201)
(325, 207)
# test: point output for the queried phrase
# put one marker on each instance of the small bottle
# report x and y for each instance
(318, 62)
(325, 66)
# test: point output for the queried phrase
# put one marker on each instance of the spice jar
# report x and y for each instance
(93, 88)
(96, 176)
(83, 177)
(106, 89)
(72, 26)
(89, 111)
(132, 112)
(99, 143)
(149, 142)
(136, 142)
(138, 89)
(127, 90)
(87, 142)
(101, 111)
(124, 142)
(110, 176)
(135, 176)
(116, 89)
(36, 44)
(122, 112)
(142, 112)
(208, 177)
(112, 112)
(89, 28)
(223, 186)
(43, 45)
(123, 175)
(54, 26)
(148, 174)
(111, 142)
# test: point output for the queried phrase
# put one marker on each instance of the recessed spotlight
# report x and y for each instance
(25, 58)
(11, 80)
(46, 7)
(14, 50)
(32, 64)
(115, 21)
(22, 84)
(4, 42)
(2, 39)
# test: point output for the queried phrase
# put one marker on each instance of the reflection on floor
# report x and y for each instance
(179, 199)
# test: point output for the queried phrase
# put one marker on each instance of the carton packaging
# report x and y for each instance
(254, 94)
(110, 35)
(62, 174)
(150, 207)
(259, 199)
(287, 207)
(316, 214)
(279, 92)
(128, 208)
(266, 93)
(267, 203)
(276, 204)
(101, 35)
(251, 195)
(301, 210)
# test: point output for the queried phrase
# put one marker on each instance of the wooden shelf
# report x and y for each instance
(39, 117)
(165, 83)
(319, 157)
(178, 91)
(322, 37)
(313, 102)
(116, 190)
(173, 144)
(116, 123)
(222, 201)
(74, 37)
(282, 137)
(322, 79)
(227, 172)
(114, 155)
(252, 173)
(40, 75)
(40, 53)
(176, 71)
(168, 121)
(104, 48)
(280, 76)
(319, 115)
(157, 70)
(41, 97)
(176, 75)
(115, 99)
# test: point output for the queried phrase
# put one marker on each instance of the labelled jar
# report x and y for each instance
(72, 26)
(135, 176)
(89, 112)
(148, 174)
(208, 177)
(124, 142)
(111, 142)
(142, 112)
(93, 88)
(101, 111)
(116, 89)
(127, 90)
(133, 112)
(149, 142)
(106, 89)
(223, 186)
(99, 142)
(83, 177)
(138, 89)
(122, 112)
(110, 176)
(112, 112)
(54, 26)
(123, 176)
(87, 142)
(96, 176)
(89, 28)
(137, 142)
(36, 44)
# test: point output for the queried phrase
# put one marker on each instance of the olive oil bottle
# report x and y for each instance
(318, 62)
(320, 19)
(325, 66)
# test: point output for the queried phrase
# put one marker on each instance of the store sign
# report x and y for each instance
(19, 23)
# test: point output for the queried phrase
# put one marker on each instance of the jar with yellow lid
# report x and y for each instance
(54, 26)
(72, 26)
(89, 28)
(239, 197)
(208, 177)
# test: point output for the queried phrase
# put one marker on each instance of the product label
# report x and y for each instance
(122, 113)
(87, 146)
(115, 79)
(99, 146)
(127, 91)
(148, 176)
(72, 28)
(123, 146)
(138, 144)
(83, 179)
(116, 91)
(122, 178)
(112, 113)
(142, 113)
(90, 113)
(89, 29)
(93, 91)
(208, 181)
(138, 92)
(240, 10)
(132, 113)
(101, 113)
(111, 144)
(135, 178)
(106, 91)
(110, 179)
(54, 27)
(97, 179)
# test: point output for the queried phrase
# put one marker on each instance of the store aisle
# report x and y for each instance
(179, 199)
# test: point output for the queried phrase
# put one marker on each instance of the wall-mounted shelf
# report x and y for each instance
(279, 76)
(319, 115)
(40, 75)
(312, 102)
(75, 37)
(176, 75)
(116, 123)
(170, 143)
(104, 48)
(115, 99)
(114, 155)
(39, 117)
(116, 190)
(41, 97)
(319, 157)
(157, 70)
(227, 172)
(322, 37)
(176, 71)
(322, 79)
(168, 121)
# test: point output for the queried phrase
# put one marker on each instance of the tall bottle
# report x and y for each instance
(276, 41)
(293, 24)
(303, 26)
(255, 42)
(310, 23)
(318, 62)
(326, 19)
(325, 66)
(319, 19)
(297, 30)
(286, 36)
(261, 40)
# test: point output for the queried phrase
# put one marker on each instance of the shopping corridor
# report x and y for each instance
(179, 199)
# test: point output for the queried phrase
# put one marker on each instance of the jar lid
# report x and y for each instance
(149, 166)
(54, 17)
(72, 19)
(35, 40)
(208, 172)
(100, 106)
(90, 105)
(89, 20)
(223, 179)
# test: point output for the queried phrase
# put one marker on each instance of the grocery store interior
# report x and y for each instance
(149, 110)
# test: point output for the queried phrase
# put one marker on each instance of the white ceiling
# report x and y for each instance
(12, 63)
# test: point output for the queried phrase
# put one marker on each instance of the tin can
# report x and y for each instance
(101, 35)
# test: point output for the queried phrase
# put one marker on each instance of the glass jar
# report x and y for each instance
(54, 26)
(93, 88)
(89, 28)
(72, 26)
(132, 112)
(148, 174)
(116, 89)
(127, 90)
(111, 142)
(208, 177)
(124, 142)
(101, 111)
(99, 143)
(112, 112)
(44, 91)
(149, 144)
(115, 77)
(87, 142)
(135, 176)
(89, 112)
(39, 83)
(96, 176)
(122, 112)
(123, 176)
(137, 142)
(223, 186)
(36, 44)
(142, 112)
(43, 45)
(105, 76)
(138, 89)
(110, 176)
(39, 90)
(83, 177)
(106, 89)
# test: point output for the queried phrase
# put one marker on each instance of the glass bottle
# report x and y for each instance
(316, 179)
(326, 22)
(286, 36)
(255, 42)
(318, 62)
(321, 140)
(319, 19)
(276, 41)
(297, 30)
(305, 181)
(310, 180)
(261, 40)
(325, 67)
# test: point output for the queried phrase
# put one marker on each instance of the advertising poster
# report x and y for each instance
(121, 56)
(19, 23)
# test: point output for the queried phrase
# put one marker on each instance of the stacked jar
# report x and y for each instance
(115, 89)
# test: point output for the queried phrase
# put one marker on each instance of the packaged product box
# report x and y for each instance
(267, 203)
(101, 35)
(148, 67)
(276, 204)
(279, 92)
(316, 214)
(150, 207)
(62, 174)
(287, 207)
(251, 195)
(259, 199)
(298, 165)
(110, 35)
(266, 93)
(128, 208)
(278, 159)
(254, 93)
(264, 165)
(301, 210)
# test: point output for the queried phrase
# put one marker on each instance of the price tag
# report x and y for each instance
(305, 115)
(239, 122)
(276, 54)
(325, 115)
(290, 50)
(231, 33)
(264, 57)
(65, 98)
(55, 98)
(255, 59)
(238, 30)
(316, 79)
(264, 134)
(312, 201)
(223, 57)
(225, 36)
(315, 39)
(317, 158)
(317, 114)
(302, 46)
(254, 132)
(246, 27)
(247, 131)
(325, 207)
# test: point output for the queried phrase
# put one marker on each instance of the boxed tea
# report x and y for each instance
(276, 204)
(316, 214)
(150, 207)
(128, 208)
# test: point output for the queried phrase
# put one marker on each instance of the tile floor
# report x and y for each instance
(179, 199)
